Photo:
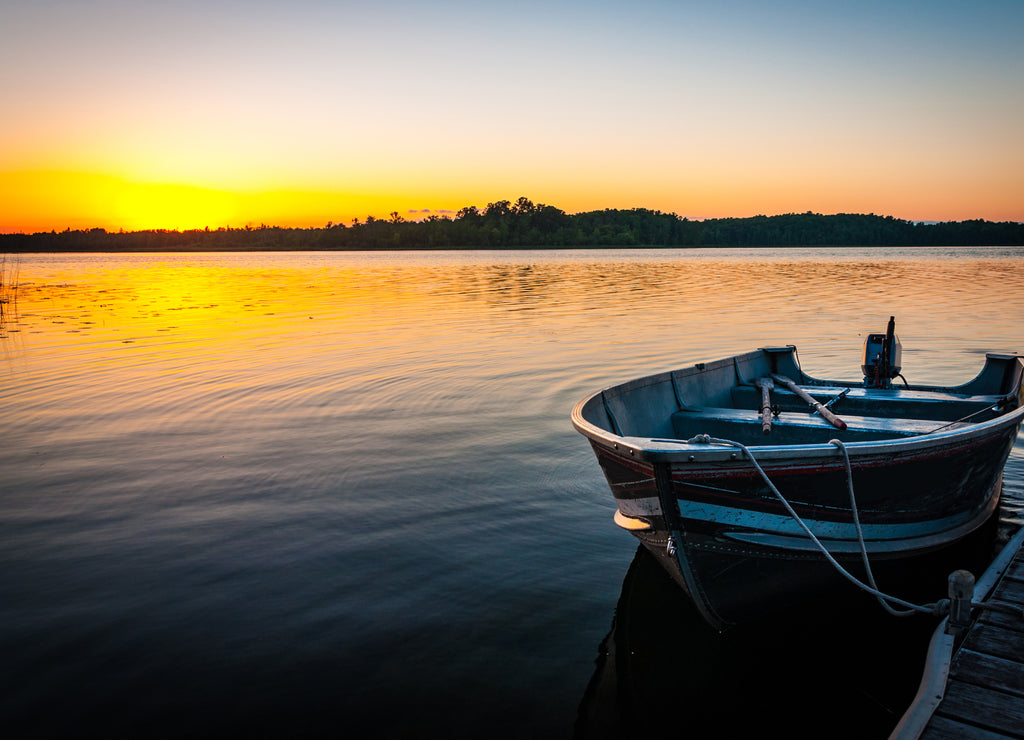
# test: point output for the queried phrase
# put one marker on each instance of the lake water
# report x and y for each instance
(338, 494)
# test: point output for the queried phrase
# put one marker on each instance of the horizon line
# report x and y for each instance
(450, 215)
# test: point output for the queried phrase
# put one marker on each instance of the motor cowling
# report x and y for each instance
(883, 357)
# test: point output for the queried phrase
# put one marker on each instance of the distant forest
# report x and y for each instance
(524, 224)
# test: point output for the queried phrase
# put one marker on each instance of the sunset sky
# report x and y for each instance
(137, 114)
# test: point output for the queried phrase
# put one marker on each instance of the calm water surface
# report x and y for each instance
(330, 494)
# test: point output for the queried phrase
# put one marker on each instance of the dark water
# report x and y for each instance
(339, 495)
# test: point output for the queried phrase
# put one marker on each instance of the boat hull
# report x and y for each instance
(740, 555)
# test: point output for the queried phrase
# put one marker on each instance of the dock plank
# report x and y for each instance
(993, 639)
(945, 728)
(1016, 570)
(984, 707)
(1013, 582)
(978, 667)
(1003, 620)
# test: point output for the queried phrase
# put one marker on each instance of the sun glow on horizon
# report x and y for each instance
(43, 201)
(53, 201)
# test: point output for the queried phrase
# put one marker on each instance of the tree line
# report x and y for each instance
(524, 224)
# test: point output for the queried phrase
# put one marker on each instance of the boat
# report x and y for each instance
(759, 487)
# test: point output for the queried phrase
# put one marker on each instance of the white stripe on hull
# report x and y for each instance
(782, 524)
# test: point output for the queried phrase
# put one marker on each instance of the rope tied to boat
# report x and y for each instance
(860, 539)
(887, 601)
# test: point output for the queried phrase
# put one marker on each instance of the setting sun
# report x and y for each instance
(171, 207)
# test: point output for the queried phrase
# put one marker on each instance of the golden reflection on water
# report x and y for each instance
(605, 313)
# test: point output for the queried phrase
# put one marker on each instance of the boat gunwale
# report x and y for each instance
(660, 449)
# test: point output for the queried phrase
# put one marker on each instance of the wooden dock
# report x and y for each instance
(974, 687)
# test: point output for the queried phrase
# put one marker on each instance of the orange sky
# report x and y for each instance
(143, 115)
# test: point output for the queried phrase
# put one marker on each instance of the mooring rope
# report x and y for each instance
(884, 599)
(860, 534)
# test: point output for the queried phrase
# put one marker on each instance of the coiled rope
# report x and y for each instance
(938, 608)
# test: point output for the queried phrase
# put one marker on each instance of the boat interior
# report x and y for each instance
(867, 417)
(724, 399)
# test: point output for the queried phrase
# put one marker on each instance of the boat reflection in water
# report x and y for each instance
(663, 670)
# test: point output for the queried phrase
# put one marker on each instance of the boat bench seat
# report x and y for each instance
(796, 427)
(863, 401)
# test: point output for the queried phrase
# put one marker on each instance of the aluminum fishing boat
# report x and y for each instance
(745, 476)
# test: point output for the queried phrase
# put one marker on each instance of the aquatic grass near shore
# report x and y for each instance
(10, 272)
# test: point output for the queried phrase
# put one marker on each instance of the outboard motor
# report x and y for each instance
(883, 355)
